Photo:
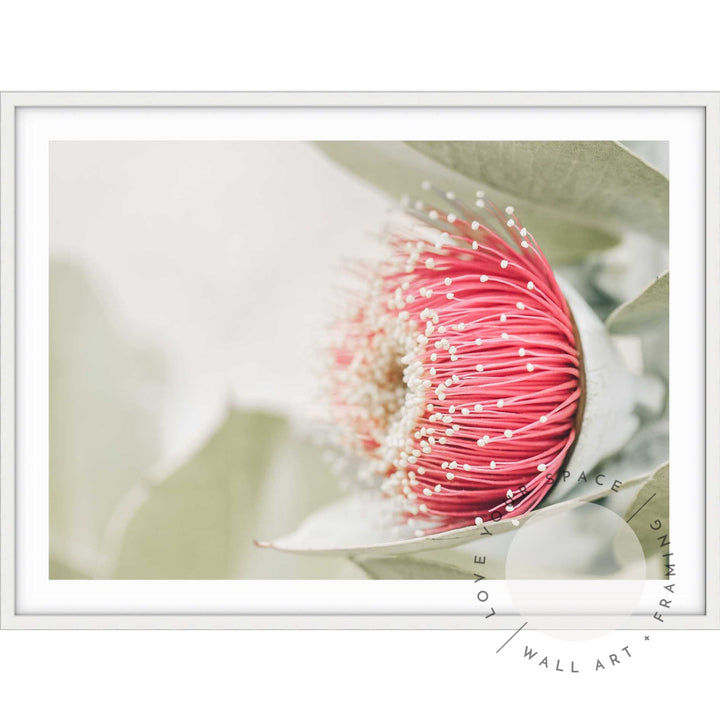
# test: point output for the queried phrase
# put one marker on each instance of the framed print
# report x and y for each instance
(393, 360)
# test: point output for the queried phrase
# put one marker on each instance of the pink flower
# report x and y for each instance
(456, 370)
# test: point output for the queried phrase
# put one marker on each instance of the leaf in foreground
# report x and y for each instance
(200, 521)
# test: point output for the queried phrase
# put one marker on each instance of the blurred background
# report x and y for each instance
(189, 283)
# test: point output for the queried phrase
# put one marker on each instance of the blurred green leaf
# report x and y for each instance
(650, 309)
(200, 521)
(398, 170)
(104, 433)
(597, 183)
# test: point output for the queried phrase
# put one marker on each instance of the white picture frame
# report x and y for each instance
(124, 611)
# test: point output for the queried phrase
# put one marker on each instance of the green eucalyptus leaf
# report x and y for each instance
(647, 311)
(398, 170)
(598, 183)
(652, 505)
(200, 521)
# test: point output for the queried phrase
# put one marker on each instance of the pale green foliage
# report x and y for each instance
(103, 427)
(200, 521)
(652, 504)
(649, 309)
(594, 183)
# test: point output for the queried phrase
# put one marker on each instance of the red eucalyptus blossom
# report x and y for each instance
(456, 372)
